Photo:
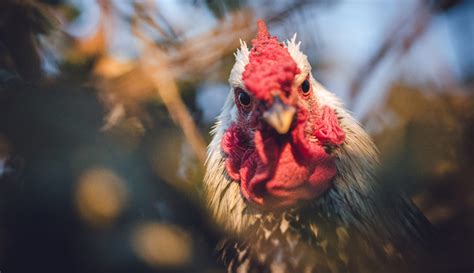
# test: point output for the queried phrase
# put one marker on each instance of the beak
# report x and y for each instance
(279, 116)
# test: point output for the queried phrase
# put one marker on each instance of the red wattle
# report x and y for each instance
(234, 144)
(278, 171)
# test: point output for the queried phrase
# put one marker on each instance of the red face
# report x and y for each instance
(279, 146)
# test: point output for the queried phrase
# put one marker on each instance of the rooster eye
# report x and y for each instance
(244, 98)
(305, 87)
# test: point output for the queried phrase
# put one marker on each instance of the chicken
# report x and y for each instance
(291, 178)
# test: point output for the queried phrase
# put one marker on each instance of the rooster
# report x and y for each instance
(291, 175)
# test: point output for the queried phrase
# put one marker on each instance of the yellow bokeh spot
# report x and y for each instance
(100, 196)
(162, 245)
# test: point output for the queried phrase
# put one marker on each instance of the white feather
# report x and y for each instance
(241, 60)
(300, 59)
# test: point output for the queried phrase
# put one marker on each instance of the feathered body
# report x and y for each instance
(338, 217)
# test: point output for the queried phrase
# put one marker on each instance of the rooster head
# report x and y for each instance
(280, 140)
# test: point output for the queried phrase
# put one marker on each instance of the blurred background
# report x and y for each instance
(106, 107)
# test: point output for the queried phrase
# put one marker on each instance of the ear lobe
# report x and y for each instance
(328, 129)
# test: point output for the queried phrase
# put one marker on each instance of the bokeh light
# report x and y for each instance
(162, 245)
(101, 196)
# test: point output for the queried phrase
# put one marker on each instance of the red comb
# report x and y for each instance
(262, 31)
(270, 65)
